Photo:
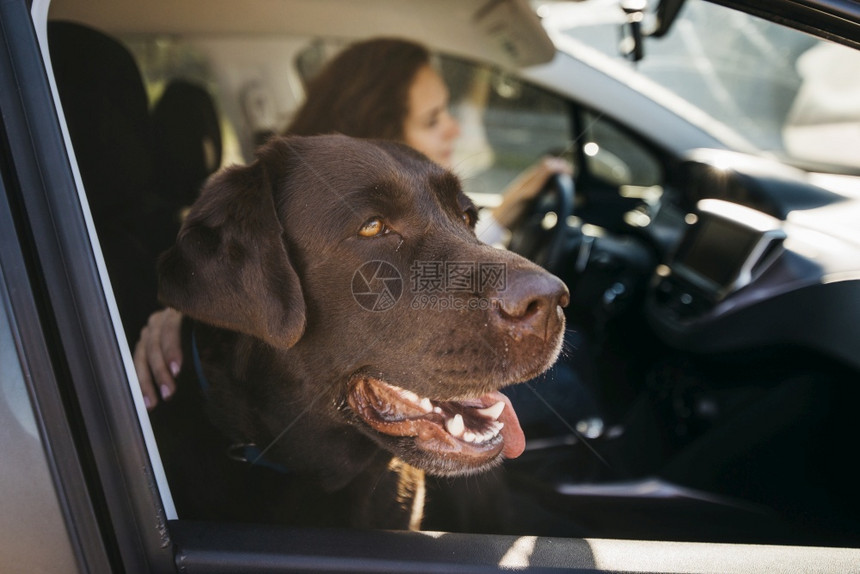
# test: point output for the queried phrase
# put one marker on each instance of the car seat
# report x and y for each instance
(187, 145)
(107, 112)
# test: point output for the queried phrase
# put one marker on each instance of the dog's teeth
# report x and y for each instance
(493, 412)
(469, 436)
(491, 432)
(426, 405)
(456, 426)
(437, 410)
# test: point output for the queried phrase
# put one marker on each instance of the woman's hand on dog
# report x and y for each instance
(158, 356)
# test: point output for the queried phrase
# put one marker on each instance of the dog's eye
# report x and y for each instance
(373, 227)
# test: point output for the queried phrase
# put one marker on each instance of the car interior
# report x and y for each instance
(710, 360)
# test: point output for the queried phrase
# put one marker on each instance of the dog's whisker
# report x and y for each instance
(482, 339)
(568, 348)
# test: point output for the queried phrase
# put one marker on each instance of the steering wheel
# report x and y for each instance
(540, 235)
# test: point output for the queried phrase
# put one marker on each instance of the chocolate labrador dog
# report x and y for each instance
(350, 332)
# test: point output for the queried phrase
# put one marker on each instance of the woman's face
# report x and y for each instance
(429, 127)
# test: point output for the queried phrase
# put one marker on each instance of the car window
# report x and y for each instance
(506, 125)
(614, 157)
(786, 91)
(32, 529)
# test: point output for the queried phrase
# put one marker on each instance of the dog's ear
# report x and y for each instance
(229, 266)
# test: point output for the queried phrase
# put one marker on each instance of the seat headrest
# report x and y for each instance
(106, 108)
(187, 138)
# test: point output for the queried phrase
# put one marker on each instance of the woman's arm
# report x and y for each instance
(158, 356)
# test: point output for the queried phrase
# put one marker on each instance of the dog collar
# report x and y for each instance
(242, 452)
(251, 453)
(198, 366)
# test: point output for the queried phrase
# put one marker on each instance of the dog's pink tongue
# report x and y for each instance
(515, 440)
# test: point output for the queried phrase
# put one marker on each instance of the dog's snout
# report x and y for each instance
(531, 301)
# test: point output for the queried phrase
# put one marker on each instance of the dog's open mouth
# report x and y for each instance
(472, 431)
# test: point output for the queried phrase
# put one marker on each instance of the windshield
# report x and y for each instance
(785, 91)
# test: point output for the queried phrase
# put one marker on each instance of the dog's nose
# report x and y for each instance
(530, 302)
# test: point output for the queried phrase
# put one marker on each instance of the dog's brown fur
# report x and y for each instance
(264, 266)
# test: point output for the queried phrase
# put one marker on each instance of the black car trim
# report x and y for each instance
(835, 20)
(225, 549)
(228, 548)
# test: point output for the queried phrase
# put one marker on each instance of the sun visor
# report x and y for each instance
(515, 31)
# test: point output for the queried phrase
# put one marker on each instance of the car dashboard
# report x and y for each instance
(758, 254)
(715, 320)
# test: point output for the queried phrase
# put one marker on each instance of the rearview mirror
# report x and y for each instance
(640, 23)
(631, 45)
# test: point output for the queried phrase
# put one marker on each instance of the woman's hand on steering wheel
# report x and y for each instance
(525, 188)
(540, 233)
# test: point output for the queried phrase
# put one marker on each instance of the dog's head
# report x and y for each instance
(357, 265)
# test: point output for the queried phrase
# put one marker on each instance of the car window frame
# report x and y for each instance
(104, 469)
(40, 381)
(834, 20)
